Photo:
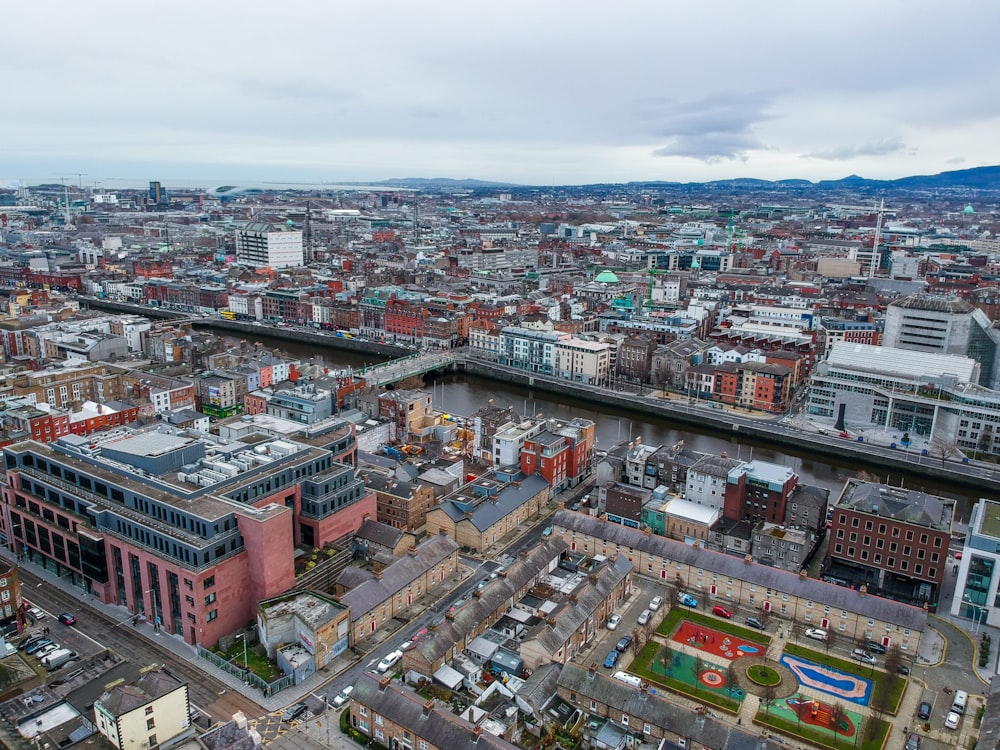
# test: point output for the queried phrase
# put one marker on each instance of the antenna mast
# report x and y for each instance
(878, 233)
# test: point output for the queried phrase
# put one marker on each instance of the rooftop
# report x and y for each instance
(901, 362)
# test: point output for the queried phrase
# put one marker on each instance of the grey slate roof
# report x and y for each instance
(486, 512)
(439, 727)
(365, 597)
(897, 503)
(498, 593)
(568, 620)
(539, 688)
(714, 466)
(823, 593)
(652, 709)
(379, 533)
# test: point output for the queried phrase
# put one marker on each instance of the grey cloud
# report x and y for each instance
(884, 147)
(711, 129)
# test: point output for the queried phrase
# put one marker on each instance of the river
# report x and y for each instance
(463, 394)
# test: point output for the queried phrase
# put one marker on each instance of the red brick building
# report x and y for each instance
(753, 385)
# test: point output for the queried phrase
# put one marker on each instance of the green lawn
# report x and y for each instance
(678, 613)
(257, 661)
(895, 684)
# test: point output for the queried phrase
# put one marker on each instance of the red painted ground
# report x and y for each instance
(714, 642)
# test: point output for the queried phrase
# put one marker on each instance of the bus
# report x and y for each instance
(228, 314)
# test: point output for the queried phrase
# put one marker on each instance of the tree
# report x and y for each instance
(667, 659)
(831, 637)
(836, 716)
(893, 659)
(942, 448)
(698, 666)
(768, 695)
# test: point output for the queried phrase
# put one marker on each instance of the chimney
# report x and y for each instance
(592, 578)
(647, 531)
(441, 532)
(524, 553)
(476, 733)
(863, 590)
(803, 574)
(468, 514)
(384, 683)
(412, 551)
(449, 616)
(550, 621)
(428, 707)
(724, 455)
(502, 574)
(592, 668)
(748, 559)
(378, 573)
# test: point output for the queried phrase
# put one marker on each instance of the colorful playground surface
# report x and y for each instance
(842, 685)
(715, 642)
(680, 667)
(818, 715)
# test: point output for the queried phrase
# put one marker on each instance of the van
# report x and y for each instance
(961, 698)
(628, 679)
(58, 658)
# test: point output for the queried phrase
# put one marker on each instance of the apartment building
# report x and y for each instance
(977, 590)
(563, 454)
(717, 578)
(753, 385)
(893, 540)
(182, 529)
(261, 244)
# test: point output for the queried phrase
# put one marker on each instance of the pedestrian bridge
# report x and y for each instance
(420, 363)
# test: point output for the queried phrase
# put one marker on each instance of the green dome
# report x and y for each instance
(606, 277)
(969, 209)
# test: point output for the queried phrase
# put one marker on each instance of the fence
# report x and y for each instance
(248, 677)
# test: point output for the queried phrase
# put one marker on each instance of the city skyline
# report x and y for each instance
(526, 94)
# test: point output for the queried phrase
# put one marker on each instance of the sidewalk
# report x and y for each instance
(189, 653)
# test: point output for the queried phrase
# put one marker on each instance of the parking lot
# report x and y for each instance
(47, 625)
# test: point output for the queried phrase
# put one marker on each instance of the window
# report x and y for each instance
(152, 740)
(209, 582)
(211, 615)
(150, 723)
(838, 548)
(379, 720)
(362, 710)
(149, 710)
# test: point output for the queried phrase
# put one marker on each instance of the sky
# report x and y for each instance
(537, 93)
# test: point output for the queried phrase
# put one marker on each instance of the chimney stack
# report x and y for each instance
(428, 707)
(803, 574)
(384, 683)
(863, 590)
(748, 559)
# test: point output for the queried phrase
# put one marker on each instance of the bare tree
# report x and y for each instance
(698, 666)
(942, 448)
(893, 659)
(667, 659)
(769, 694)
(831, 637)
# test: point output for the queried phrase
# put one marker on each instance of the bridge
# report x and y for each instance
(420, 363)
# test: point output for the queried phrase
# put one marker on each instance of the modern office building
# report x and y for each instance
(187, 531)
(977, 590)
(943, 325)
(260, 244)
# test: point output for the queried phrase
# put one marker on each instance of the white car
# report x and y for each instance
(655, 602)
(816, 634)
(644, 616)
(36, 613)
(343, 696)
(951, 720)
(390, 659)
(613, 621)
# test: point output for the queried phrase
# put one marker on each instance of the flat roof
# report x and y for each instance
(902, 362)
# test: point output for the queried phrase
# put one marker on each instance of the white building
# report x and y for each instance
(582, 361)
(977, 590)
(508, 441)
(260, 244)
(149, 712)
(706, 480)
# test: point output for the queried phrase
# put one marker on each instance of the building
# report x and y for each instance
(893, 540)
(392, 590)
(302, 631)
(11, 604)
(509, 439)
(563, 454)
(260, 244)
(753, 385)
(759, 491)
(183, 529)
(718, 578)
(485, 511)
(148, 713)
(708, 480)
(395, 717)
(942, 325)
(977, 590)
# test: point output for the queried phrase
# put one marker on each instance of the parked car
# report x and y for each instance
(39, 644)
(863, 656)
(389, 660)
(611, 659)
(816, 634)
(655, 602)
(294, 711)
(721, 612)
(912, 742)
(903, 669)
(687, 600)
(67, 619)
(753, 622)
(623, 643)
(343, 696)
(924, 712)
(951, 720)
(613, 621)
(876, 648)
(46, 650)
(9, 650)
(644, 616)
(547, 531)
(36, 613)
(30, 640)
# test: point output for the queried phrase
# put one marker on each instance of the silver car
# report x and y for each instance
(644, 616)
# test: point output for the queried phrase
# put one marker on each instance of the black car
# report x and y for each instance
(293, 712)
(876, 648)
(924, 712)
(903, 669)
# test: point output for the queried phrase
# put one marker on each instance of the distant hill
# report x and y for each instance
(976, 178)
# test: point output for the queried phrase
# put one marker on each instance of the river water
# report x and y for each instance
(463, 394)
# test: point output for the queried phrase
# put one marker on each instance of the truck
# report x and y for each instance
(58, 658)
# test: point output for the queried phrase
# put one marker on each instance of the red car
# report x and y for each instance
(722, 612)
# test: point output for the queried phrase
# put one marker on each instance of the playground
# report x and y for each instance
(817, 715)
(715, 643)
(841, 685)
(680, 667)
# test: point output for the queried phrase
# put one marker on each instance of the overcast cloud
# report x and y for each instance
(527, 92)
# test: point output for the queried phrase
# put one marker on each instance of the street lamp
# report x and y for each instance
(977, 612)
(246, 665)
